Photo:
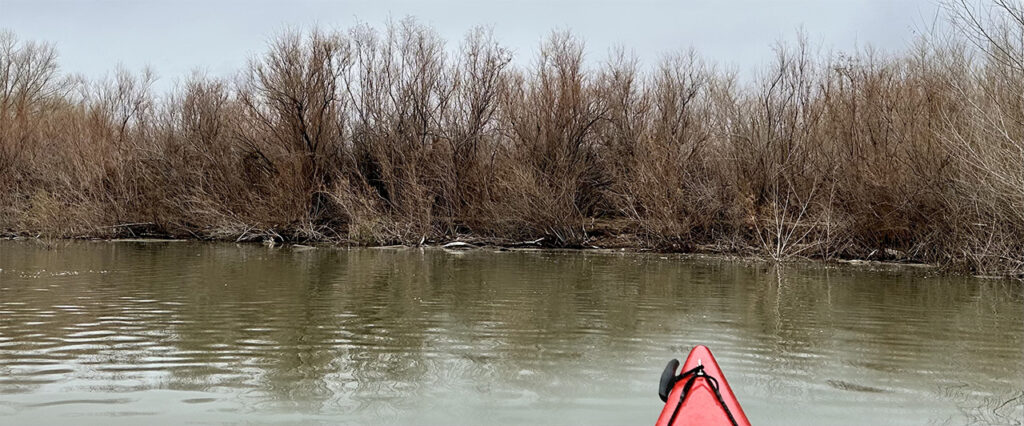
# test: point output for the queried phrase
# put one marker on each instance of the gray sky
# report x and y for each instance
(218, 36)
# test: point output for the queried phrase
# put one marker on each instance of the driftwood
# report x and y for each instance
(529, 243)
(458, 245)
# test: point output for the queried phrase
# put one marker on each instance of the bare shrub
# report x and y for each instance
(385, 136)
(555, 179)
(292, 125)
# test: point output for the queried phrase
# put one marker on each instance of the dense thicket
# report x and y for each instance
(387, 136)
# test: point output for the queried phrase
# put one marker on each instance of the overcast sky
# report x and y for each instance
(217, 36)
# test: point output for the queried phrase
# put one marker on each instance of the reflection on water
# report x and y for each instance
(184, 332)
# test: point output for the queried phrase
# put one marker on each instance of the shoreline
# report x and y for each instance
(824, 155)
(467, 245)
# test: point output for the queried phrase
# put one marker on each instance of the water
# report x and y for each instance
(169, 333)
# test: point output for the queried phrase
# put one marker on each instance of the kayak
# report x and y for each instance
(698, 394)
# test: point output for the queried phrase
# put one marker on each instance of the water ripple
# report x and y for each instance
(236, 334)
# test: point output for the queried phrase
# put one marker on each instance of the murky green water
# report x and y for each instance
(131, 333)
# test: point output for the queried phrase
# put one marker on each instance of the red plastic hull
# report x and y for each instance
(701, 407)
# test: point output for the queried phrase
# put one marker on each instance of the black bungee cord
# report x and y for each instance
(691, 378)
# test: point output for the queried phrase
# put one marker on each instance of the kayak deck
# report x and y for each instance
(708, 399)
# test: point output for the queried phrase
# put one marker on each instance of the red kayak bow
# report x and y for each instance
(699, 395)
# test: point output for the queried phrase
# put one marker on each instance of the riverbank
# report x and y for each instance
(351, 137)
(601, 238)
(467, 244)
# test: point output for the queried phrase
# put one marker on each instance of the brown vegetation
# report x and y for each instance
(382, 137)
